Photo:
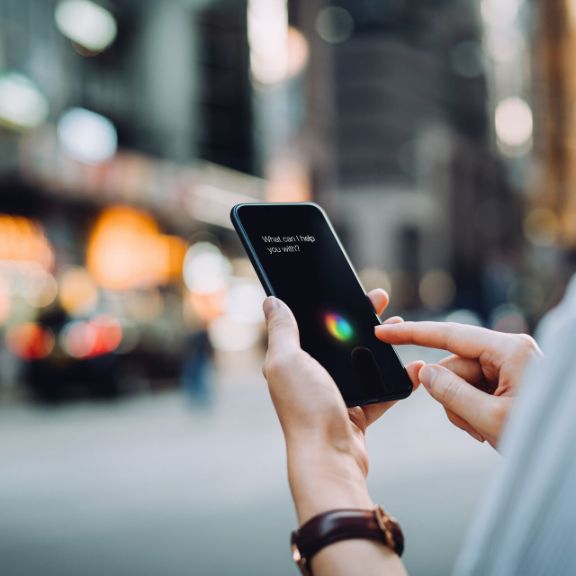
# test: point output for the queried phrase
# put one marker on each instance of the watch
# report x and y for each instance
(344, 524)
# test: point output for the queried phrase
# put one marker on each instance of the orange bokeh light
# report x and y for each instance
(127, 251)
(23, 240)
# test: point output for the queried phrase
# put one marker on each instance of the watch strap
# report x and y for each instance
(344, 524)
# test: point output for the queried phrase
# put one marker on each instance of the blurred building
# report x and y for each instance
(404, 151)
(556, 91)
(173, 80)
(139, 124)
(550, 222)
(126, 132)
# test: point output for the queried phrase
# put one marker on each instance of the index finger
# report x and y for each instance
(466, 341)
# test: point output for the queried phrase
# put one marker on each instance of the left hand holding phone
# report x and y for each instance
(327, 457)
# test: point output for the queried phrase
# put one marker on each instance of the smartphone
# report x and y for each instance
(299, 259)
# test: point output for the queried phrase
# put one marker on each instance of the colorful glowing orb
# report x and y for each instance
(338, 327)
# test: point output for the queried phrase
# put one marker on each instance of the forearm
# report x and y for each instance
(362, 557)
(322, 479)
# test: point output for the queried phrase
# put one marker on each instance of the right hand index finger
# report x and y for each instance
(466, 341)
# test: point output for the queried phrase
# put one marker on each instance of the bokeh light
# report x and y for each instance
(108, 334)
(29, 341)
(84, 339)
(542, 226)
(22, 104)
(234, 316)
(244, 302)
(268, 39)
(86, 23)
(508, 318)
(504, 46)
(514, 124)
(87, 136)
(298, 52)
(500, 12)
(5, 300)
(78, 291)
(126, 251)
(42, 289)
(78, 339)
(232, 336)
(23, 240)
(372, 278)
(437, 289)
(334, 24)
(206, 269)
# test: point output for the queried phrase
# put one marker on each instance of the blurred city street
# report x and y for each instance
(137, 437)
(152, 486)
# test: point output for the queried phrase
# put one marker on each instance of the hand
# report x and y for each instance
(477, 384)
(327, 458)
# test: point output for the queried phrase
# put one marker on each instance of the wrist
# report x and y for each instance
(323, 478)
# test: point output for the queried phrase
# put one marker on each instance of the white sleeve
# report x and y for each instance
(526, 525)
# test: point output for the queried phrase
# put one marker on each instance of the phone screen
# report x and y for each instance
(300, 260)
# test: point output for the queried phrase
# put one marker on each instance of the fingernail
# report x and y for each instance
(270, 304)
(427, 376)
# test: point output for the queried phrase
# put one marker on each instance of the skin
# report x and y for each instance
(478, 382)
(325, 441)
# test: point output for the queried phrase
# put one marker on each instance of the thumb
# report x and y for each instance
(457, 395)
(281, 325)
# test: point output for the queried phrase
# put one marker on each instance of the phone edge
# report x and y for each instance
(237, 223)
(329, 223)
(252, 256)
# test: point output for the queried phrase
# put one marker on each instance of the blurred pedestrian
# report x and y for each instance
(197, 369)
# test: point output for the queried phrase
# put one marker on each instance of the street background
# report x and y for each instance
(136, 433)
(148, 486)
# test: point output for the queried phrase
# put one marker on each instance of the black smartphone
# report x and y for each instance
(299, 259)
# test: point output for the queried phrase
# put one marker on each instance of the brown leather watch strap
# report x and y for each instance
(345, 524)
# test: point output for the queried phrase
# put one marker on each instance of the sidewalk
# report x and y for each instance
(149, 486)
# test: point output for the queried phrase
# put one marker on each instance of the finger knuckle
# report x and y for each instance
(526, 344)
(358, 418)
(279, 323)
(278, 364)
(272, 367)
(499, 413)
